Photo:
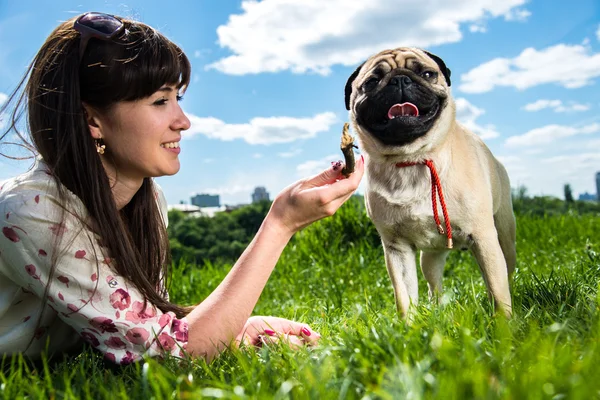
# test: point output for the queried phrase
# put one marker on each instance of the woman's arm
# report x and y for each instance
(216, 322)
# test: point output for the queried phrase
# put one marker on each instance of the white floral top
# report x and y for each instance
(86, 299)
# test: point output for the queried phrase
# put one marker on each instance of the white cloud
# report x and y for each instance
(556, 105)
(313, 167)
(517, 14)
(312, 35)
(262, 130)
(477, 28)
(570, 66)
(467, 114)
(202, 53)
(290, 154)
(575, 161)
(549, 133)
(509, 160)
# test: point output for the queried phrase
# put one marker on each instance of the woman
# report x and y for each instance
(83, 250)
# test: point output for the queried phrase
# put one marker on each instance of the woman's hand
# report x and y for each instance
(309, 200)
(259, 330)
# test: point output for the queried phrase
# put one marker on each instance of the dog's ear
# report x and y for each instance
(445, 70)
(348, 88)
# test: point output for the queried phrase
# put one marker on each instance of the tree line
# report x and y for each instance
(223, 238)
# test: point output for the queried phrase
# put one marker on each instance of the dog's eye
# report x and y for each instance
(428, 74)
(370, 84)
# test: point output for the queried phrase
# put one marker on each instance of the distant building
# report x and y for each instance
(206, 200)
(260, 193)
(587, 197)
(187, 209)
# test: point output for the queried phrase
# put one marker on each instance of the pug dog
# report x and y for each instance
(431, 184)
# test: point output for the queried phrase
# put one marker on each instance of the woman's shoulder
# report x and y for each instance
(31, 187)
(37, 178)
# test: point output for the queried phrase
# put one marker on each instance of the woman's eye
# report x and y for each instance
(160, 102)
(370, 84)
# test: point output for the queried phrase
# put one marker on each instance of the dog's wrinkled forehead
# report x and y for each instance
(389, 60)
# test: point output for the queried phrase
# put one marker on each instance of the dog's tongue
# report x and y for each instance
(403, 109)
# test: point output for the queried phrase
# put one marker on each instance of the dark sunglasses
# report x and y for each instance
(96, 25)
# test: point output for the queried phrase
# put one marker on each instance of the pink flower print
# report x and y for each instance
(40, 332)
(64, 280)
(90, 338)
(10, 234)
(137, 335)
(128, 358)
(166, 341)
(139, 314)
(58, 229)
(51, 299)
(80, 254)
(42, 253)
(103, 324)
(60, 296)
(95, 296)
(180, 329)
(110, 357)
(94, 277)
(72, 307)
(164, 320)
(27, 318)
(120, 299)
(30, 269)
(115, 343)
(107, 260)
(37, 199)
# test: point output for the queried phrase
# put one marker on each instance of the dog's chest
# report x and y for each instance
(401, 208)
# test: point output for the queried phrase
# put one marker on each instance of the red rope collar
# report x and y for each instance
(436, 188)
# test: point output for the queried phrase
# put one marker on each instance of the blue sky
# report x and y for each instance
(266, 101)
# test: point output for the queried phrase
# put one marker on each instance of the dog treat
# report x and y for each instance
(346, 145)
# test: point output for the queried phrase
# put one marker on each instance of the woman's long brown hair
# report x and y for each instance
(130, 67)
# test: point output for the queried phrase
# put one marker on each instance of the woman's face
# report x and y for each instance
(142, 136)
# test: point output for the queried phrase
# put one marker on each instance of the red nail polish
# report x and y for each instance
(305, 331)
(270, 332)
(362, 158)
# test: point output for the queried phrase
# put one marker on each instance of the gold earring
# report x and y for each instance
(100, 146)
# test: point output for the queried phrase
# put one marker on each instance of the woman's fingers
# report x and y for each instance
(334, 174)
(295, 342)
(276, 328)
(340, 189)
(326, 177)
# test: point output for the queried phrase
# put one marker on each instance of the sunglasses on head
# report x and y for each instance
(96, 25)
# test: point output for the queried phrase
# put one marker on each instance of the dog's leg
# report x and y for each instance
(432, 265)
(507, 236)
(486, 249)
(402, 268)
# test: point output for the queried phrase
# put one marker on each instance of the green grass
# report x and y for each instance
(333, 276)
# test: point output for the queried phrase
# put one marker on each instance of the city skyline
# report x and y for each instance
(266, 100)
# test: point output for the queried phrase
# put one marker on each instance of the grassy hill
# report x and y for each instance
(333, 276)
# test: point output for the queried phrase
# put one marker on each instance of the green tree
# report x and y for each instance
(568, 194)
